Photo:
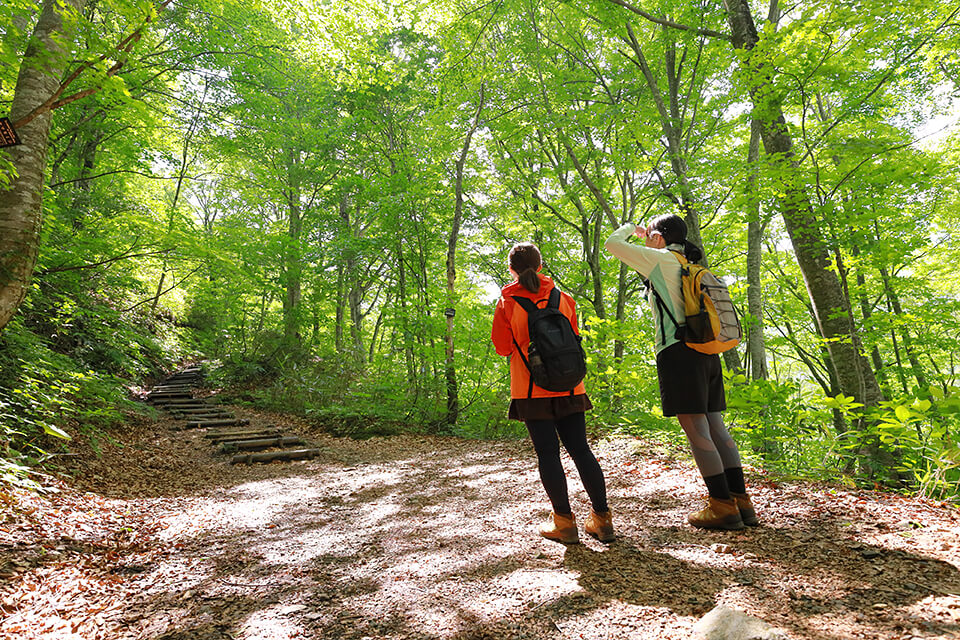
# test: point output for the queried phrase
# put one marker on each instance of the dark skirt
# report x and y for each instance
(690, 381)
(548, 408)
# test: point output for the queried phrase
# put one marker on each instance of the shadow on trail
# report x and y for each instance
(438, 542)
(626, 571)
(436, 545)
(875, 586)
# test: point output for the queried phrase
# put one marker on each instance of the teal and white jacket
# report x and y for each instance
(662, 269)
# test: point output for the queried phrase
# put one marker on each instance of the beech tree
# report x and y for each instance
(44, 62)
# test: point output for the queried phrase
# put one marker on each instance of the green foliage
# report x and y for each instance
(790, 431)
(48, 397)
(271, 185)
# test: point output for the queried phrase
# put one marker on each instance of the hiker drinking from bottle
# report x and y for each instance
(691, 383)
(536, 324)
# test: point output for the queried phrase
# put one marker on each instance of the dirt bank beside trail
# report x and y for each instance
(423, 537)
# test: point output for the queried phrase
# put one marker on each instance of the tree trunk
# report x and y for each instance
(404, 318)
(756, 345)
(181, 178)
(866, 312)
(854, 374)
(344, 212)
(355, 295)
(293, 269)
(453, 399)
(21, 211)
(670, 123)
(894, 301)
(88, 160)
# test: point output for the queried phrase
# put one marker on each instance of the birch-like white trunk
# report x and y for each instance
(21, 210)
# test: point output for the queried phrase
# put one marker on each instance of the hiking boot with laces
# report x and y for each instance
(745, 506)
(561, 528)
(718, 514)
(600, 526)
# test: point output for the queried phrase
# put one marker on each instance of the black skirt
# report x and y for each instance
(548, 408)
(690, 381)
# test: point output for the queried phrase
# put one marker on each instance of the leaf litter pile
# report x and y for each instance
(419, 537)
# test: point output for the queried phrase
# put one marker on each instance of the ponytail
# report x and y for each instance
(524, 259)
(692, 252)
(530, 280)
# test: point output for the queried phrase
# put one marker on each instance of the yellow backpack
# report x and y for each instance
(712, 324)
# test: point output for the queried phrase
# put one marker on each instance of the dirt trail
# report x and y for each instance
(423, 537)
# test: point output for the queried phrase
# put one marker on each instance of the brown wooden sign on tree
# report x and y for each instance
(8, 135)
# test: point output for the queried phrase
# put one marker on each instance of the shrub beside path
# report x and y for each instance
(425, 538)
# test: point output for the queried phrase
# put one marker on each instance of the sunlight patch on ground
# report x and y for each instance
(926, 610)
(275, 623)
(705, 556)
(538, 586)
(253, 505)
(484, 480)
(303, 547)
(621, 620)
(423, 605)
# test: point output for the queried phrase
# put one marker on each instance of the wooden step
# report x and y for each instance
(270, 456)
(210, 408)
(203, 424)
(217, 438)
(263, 443)
(169, 395)
(205, 417)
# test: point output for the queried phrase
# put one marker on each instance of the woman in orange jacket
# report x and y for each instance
(551, 417)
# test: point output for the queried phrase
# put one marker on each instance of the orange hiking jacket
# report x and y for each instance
(510, 323)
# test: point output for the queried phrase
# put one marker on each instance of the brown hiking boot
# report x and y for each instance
(718, 514)
(745, 505)
(563, 528)
(600, 526)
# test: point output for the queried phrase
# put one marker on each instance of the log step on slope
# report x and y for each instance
(227, 433)
(292, 454)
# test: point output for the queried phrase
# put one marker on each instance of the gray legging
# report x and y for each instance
(713, 448)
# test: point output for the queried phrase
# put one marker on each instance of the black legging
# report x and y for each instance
(572, 430)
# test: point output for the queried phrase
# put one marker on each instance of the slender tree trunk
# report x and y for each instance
(589, 240)
(344, 212)
(265, 300)
(670, 123)
(21, 210)
(181, 177)
(894, 301)
(867, 312)
(88, 161)
(293, 268)
(341, 310)
(450, 369)
(404, 318)
(756, 344)
(355, 294)
(356, 317)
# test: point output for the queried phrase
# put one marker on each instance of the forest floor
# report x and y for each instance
(422, 537)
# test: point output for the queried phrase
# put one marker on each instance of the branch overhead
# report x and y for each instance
(710, 33)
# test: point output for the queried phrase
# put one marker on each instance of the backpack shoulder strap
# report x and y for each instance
(528, 305)
(662, 306)
(554, 301)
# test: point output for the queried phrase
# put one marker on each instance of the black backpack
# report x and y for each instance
(556, 360)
